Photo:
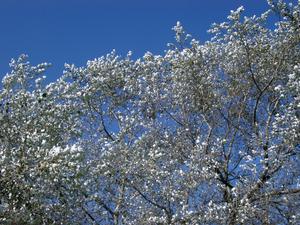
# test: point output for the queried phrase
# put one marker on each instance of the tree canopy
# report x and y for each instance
(208, 133)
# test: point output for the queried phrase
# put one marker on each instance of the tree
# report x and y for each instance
(37, 158)
(205, 134)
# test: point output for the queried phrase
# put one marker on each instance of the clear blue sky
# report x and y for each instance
(74, 31)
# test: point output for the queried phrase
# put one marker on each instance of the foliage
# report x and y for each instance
(205, 134)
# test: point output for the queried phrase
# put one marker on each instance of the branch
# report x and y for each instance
(152, 202)
(89, 215)
(283, 192)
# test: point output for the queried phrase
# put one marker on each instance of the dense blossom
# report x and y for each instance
(204, 134)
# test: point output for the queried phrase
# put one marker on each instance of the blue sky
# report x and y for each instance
(74, 31)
